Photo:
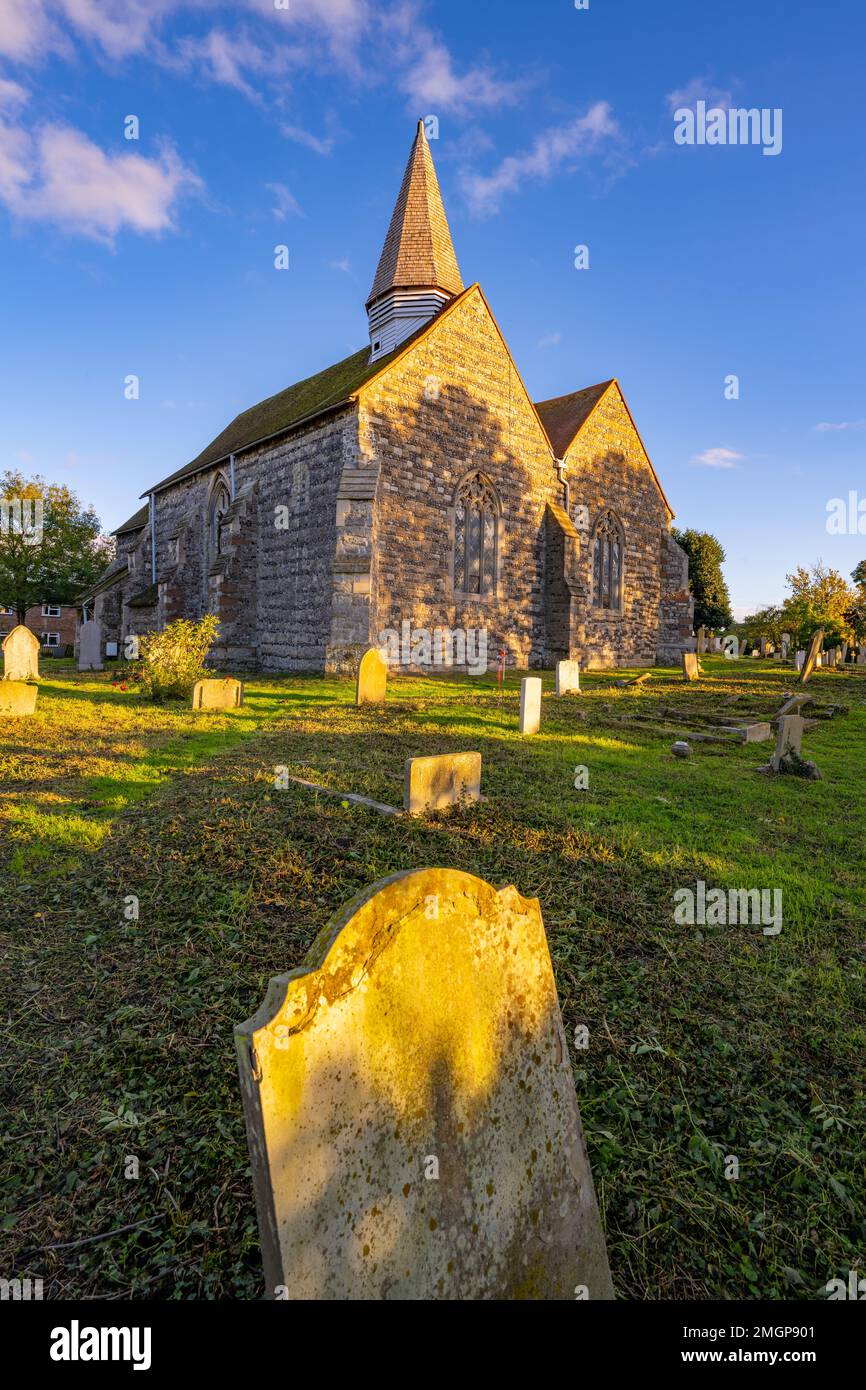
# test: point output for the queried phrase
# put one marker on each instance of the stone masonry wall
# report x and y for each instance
(454, 404)
(607, 468)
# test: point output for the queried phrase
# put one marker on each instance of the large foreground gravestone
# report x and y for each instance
(443, 780)
(20, 655)
(16, 697)
(567, 677)
(372, 679)
(530, 704)
(812, 655)
(410, 1107)
(691, 666)
(90, 646)
(218, 694)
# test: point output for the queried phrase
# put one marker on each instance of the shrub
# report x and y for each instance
(174, 658)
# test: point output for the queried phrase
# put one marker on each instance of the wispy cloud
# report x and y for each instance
(59, 175)
(829, 427)
(560, 147)
(318, 144)
(549, 340)
(718, 458)
(699, 89)
(12, 94)
(285, 202)
(342, 265)
(433, 84)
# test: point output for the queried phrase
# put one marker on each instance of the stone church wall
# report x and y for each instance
(606, 468)
(454, 404)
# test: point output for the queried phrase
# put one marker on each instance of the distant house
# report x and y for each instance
(415, 481)
(53, 623)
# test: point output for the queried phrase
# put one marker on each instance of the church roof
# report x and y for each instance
(418, 251)
(563, 416)
(302, 401)
(305, 400)
(135, 523)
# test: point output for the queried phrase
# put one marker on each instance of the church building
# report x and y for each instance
(415, 481)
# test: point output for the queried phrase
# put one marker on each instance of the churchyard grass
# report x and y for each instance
(704, 1042)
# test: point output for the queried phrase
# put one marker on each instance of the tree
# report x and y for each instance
(706, 557)
(820, 597)
(768, 623)
(855, 616)
(62, 556)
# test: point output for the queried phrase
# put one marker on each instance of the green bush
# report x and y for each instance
(174, 658)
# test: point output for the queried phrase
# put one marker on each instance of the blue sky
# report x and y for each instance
(262, 126)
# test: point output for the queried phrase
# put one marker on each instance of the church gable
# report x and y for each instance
(606, 435)
(451, 412)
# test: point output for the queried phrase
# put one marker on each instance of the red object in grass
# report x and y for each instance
(123, 687)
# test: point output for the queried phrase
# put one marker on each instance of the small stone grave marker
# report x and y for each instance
(530, 704)
(17, 697)
(218, 695)
(20, 654)
(90, 646)
(789, 739)
(691, 666)
(410, 1107)
(567, 677)
(442, 780)
(372, 679)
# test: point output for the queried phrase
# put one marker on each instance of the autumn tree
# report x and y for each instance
(53, 561)
(820, 597)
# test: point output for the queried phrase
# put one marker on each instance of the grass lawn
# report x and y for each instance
(704, 1042)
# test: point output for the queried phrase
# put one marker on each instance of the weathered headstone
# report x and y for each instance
(442, 780)
(789, 739)
(756, 733)
(799, 659)
(702, 640)
(90, 646)
(812, 655)
(763, 646)
(786, 645)
(372, 679)
(17, 697)
(410, 1107)
(691, 666)
(20, 654)
(218, 694)
(530, 704)
(861, 656)
(843, 653)
(567, 677)
(794, 704)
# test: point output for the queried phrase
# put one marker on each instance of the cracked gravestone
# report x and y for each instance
(410, 1107)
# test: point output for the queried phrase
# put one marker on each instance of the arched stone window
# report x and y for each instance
(607, 559)
(476, 537)
(220, 501)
